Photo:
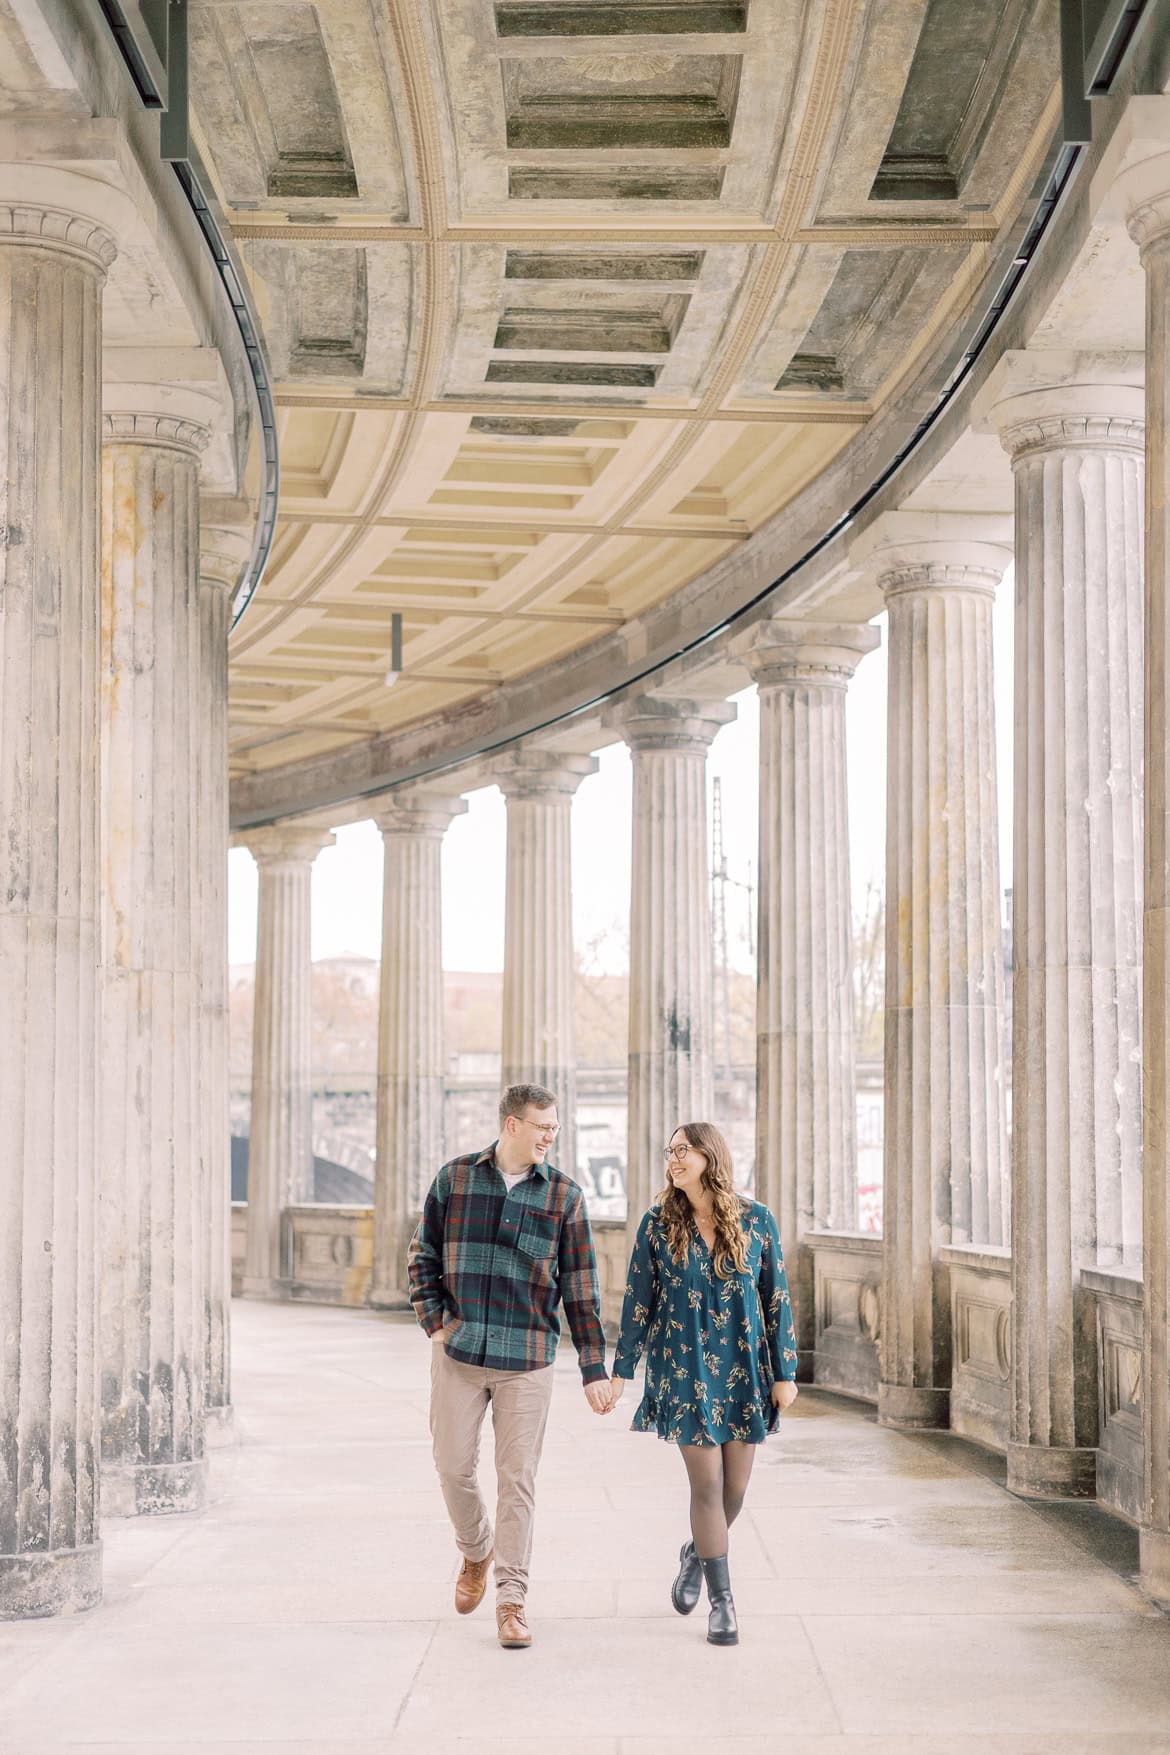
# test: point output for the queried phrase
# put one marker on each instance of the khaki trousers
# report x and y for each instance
(519, 1400)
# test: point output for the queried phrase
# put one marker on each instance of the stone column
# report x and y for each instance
(152, 1251)
(539, 977)
(52, 269)
(410, 1028)
(946, 1156)
(671, 1025)
(806, 1102)
(1146, 194)
(223, 553)
(280, 1147)
(1073, 428)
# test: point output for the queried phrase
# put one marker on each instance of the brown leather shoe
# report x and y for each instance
(512, 1627)
(471, 1583)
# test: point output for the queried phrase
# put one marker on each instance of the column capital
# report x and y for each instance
(952, 551)
(540, 773)
(826, 653)
(74, 169)
(226, 530)
(174, 415)
(417, 811)
(1047, 399)
(55, 228)
(285, 844)
(1141, 189)
(650, 722)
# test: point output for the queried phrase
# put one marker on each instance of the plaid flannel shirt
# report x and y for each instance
(498, 1261)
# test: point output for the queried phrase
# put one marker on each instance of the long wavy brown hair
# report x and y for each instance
(730, 1252)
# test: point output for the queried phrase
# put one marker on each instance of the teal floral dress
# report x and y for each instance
(713, 1347)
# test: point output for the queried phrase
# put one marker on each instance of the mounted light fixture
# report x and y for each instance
(395, 670)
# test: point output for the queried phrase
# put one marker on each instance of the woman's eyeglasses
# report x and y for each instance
(678, 1152)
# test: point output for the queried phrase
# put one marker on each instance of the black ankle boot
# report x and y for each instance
(684, 1592)
(721, 1623)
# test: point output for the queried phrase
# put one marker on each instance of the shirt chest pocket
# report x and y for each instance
(537, 1238)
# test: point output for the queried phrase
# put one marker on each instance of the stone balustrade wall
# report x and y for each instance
(1117, 1296)
(981, 1366)
(331, 1252)
(847, 1300)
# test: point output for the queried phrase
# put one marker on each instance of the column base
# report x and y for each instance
(1049, 1471)
(219, 1426)
(906, 1408)
(62, 1583)
(1155, 1566)
(275, 1291)
(154, 1489)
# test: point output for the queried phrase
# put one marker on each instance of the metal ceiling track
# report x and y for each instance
(151, 37)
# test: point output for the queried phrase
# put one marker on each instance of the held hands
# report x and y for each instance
(784, 1393)
(603, 1398)
(597, 1395)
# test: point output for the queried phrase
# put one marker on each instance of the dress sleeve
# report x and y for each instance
(641, 1298)
(776, 1304)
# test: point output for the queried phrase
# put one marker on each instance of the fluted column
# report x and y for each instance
(671, 1023)
(945, 1174)
(152, 1296)
(538, 1034)
(1076, 443)
(806, 1102)
(410, 1028)
(52, 269)
(1146, 195)
(280, 1145)
(223, 552)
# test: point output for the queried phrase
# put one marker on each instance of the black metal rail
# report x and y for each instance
(151, 38)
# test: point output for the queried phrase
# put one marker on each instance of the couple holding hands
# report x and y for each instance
(504, 1238)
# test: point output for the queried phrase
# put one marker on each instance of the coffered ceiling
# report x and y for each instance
(564, 301)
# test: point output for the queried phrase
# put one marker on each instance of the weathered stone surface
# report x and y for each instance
(280, 1146)
(52, 270)
(153, 1215)
(223, 551)
(538, 1034)
(946, 1161)
(1145, 192)
(410, 1027)
(806, 1147)
(671, 1030)
(1073, 427)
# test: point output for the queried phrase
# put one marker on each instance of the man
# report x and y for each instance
(503, 1238)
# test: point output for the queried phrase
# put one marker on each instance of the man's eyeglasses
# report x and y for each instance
(678, 1152)
(547, 1129)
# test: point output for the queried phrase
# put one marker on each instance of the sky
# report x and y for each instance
(347, 878)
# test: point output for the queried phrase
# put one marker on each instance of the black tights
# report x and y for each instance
(719, 1476)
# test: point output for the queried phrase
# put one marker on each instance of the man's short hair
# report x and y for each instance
(517, 1098)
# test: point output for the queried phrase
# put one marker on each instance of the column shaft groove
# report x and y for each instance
(152, 1310)
(50, 361)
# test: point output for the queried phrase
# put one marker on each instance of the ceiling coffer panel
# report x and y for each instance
(310, 153)
(329, 336)
(950, 91)
(598, 102)
(858, 335)
(605, 18)
(650, 328)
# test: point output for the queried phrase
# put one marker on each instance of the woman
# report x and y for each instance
(707, 1297)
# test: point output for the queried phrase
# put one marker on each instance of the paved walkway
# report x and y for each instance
(893, 1599)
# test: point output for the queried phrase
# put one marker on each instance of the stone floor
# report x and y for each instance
(893, 1599)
